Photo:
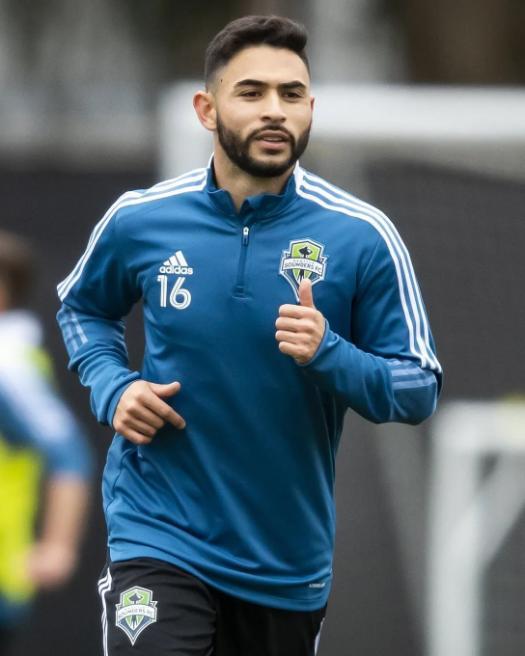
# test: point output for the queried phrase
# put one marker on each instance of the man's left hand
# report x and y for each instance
(300, 328)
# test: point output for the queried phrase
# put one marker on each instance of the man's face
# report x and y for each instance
(264, 110)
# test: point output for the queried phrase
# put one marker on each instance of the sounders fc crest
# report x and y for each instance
(136, 611)
(304, 259)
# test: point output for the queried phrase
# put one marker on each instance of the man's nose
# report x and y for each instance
(273, 109)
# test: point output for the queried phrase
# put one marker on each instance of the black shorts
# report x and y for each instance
(151, 608)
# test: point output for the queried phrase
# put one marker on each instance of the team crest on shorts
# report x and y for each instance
(135, 612)
(303, 259)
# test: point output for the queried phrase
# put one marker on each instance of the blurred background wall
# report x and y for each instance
(80, 87)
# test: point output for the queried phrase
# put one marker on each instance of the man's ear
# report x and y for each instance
(204, 105)
(312, 102)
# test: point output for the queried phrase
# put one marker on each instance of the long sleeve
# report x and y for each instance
(96, 296)
(386, 369)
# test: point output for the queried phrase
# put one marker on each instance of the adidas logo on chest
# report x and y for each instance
(176, 264)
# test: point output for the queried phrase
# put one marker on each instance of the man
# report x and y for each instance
(273, 301)
(38, 434)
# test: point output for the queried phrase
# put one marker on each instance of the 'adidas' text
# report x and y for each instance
(179, 270)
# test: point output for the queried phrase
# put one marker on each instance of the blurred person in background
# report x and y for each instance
(273, 301)
(43, 451)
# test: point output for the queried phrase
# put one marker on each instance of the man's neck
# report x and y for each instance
(240, 184)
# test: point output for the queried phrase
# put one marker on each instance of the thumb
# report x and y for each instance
(306, 296)
(165, 391)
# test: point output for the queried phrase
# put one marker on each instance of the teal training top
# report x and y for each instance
(243, 497)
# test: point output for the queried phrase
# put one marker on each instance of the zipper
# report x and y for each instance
(239, 285)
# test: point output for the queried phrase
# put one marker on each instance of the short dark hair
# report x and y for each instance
(248, 31)
(16, 268)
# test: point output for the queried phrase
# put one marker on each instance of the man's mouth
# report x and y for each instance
(273, 137)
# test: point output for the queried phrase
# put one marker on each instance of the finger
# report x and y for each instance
(286, 336)
(294, 311)
(306, 297)
(299, 352)
(165, 391)
(134, 436)
(141, 427)
(164, 411)
(289, 349)
(147, 416)
(287, 323)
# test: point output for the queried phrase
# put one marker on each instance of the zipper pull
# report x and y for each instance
(245, 234)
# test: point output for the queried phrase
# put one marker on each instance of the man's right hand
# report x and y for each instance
(141, 411)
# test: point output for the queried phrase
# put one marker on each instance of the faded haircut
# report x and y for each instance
(247, 31)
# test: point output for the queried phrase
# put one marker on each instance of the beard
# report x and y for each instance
(238, 150)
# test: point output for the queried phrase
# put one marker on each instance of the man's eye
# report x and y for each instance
(250, 94)
(294, 95)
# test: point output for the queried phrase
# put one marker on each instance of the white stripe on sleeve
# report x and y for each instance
(324, 194)
(129, 199)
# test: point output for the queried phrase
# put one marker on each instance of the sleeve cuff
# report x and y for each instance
(116, 395)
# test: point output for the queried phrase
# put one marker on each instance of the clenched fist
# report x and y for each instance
(141, 412)
(300, 328)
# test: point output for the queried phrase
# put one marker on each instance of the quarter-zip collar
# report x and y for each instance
(261, 206)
